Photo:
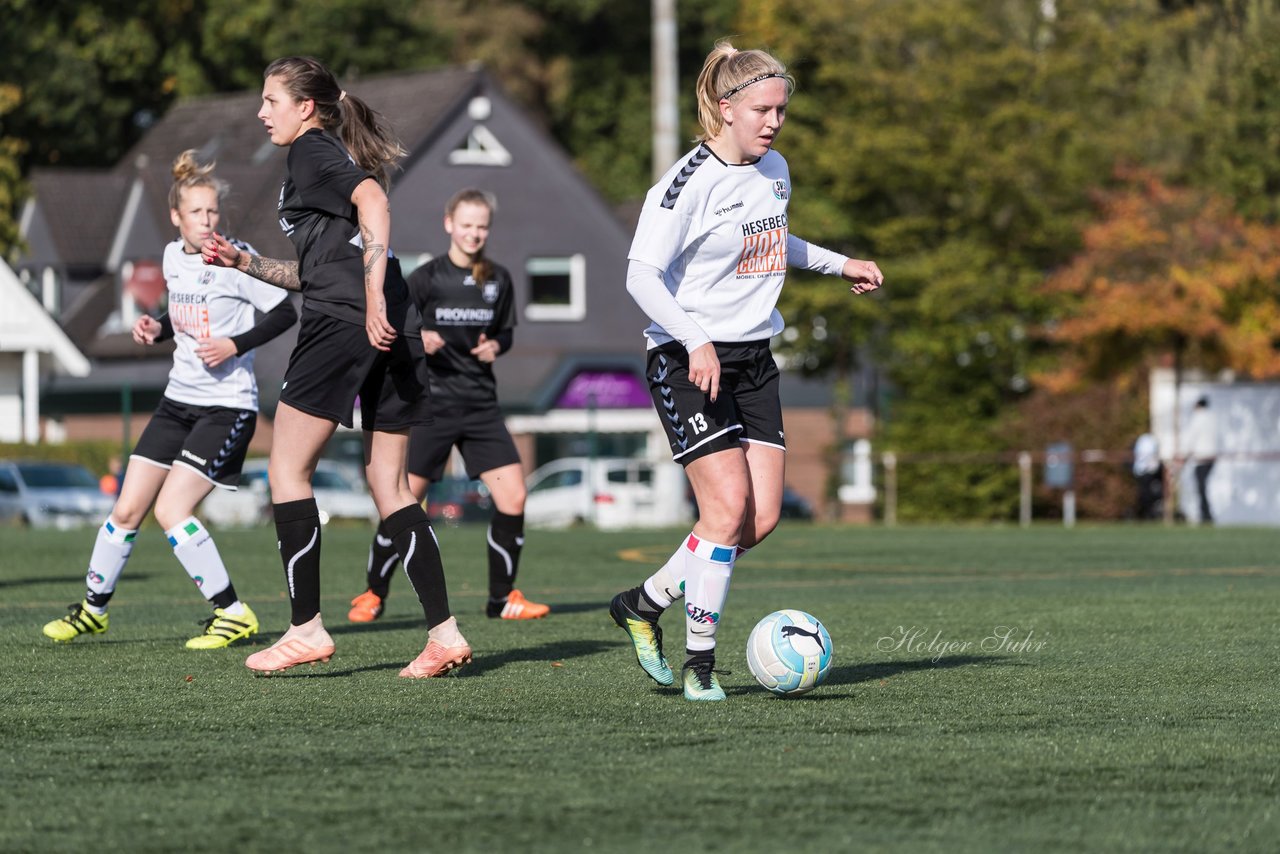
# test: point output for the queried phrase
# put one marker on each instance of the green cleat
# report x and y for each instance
(81, 621)
(223, 629)
(700, 683)
(646, 637)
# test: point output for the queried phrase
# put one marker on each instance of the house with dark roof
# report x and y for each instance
(94, 239)
(573, 382)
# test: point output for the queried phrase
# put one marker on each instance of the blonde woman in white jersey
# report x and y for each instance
(197, 439)
(707, 265)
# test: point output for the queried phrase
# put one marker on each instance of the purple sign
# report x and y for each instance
(611, 390)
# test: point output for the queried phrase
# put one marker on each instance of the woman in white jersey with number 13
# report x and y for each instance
(707, 265)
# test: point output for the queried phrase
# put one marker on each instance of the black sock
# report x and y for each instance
(226, 598)
(98, 600)
(646, 607)
(415, 542)
(695, 656)
(382, 561)
(506, 538)
(298, 530)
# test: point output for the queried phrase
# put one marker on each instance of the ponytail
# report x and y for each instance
(371, 143)
(725, 73)
(188, 173)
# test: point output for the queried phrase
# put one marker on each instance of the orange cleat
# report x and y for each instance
(299, 645)
(365, 608)
(518, 608)
(438, 659)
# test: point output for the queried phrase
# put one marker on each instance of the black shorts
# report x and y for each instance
(334, 363)
(747, 409)
(210, 440)
(480, 434)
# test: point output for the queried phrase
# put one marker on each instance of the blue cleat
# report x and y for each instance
(646, 637)
(700, 683)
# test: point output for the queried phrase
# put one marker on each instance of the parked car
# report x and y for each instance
(51, 495)
(609, 492)
(338, 496)
(794, 505)
(458, 500)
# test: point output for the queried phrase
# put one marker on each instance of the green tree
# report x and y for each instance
(12, 188)
(955, 142)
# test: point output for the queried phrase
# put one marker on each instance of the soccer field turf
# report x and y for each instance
(1132, 704)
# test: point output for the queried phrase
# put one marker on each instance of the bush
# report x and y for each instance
(95, 455)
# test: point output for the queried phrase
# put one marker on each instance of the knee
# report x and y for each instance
(128, 515)
(511, 501)
(723, 516)
(168, 514)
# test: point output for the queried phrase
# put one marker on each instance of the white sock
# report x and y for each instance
(667, 584)
(111, 552)
(708, 568)
(195, 549)
(447, 633)
(235, 609)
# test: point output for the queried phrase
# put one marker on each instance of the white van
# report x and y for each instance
(608, 492)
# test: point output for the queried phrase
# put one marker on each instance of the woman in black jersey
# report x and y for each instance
(468, 313)
(358, 337)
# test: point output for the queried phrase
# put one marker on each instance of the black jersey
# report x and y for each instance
(454, 305)
(316, 213)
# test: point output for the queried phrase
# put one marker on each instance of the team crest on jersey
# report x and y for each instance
(780, 189)
(206, 277)
(490, 292)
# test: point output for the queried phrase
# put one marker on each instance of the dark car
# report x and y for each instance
(794, 505)
(458, 500)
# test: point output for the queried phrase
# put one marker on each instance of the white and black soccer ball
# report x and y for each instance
(789, 652)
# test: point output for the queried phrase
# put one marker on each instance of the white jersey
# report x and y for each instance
(212, 302)
(719, 234)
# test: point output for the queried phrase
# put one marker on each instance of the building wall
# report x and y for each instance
(810, 435)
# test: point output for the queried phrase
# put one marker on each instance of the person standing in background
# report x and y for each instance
(468, 311)
(1202, 449)
(1148, 471)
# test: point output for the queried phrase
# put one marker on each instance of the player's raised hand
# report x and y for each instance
(217, 251)
(865, 275)
(146, 330)
(432, 342)
(486, 350)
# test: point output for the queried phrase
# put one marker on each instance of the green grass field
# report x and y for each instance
(1140, 716)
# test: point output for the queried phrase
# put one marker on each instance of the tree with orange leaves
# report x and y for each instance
(1167, 272)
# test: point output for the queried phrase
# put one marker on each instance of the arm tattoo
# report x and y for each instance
(282, 274)
(372, 251)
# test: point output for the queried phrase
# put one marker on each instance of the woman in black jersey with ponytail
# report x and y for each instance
(358, 337)
(468, 314)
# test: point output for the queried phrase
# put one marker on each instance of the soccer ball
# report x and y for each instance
(789, 652)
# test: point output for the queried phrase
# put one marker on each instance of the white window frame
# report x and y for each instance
(480, 148)
(576, 309)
